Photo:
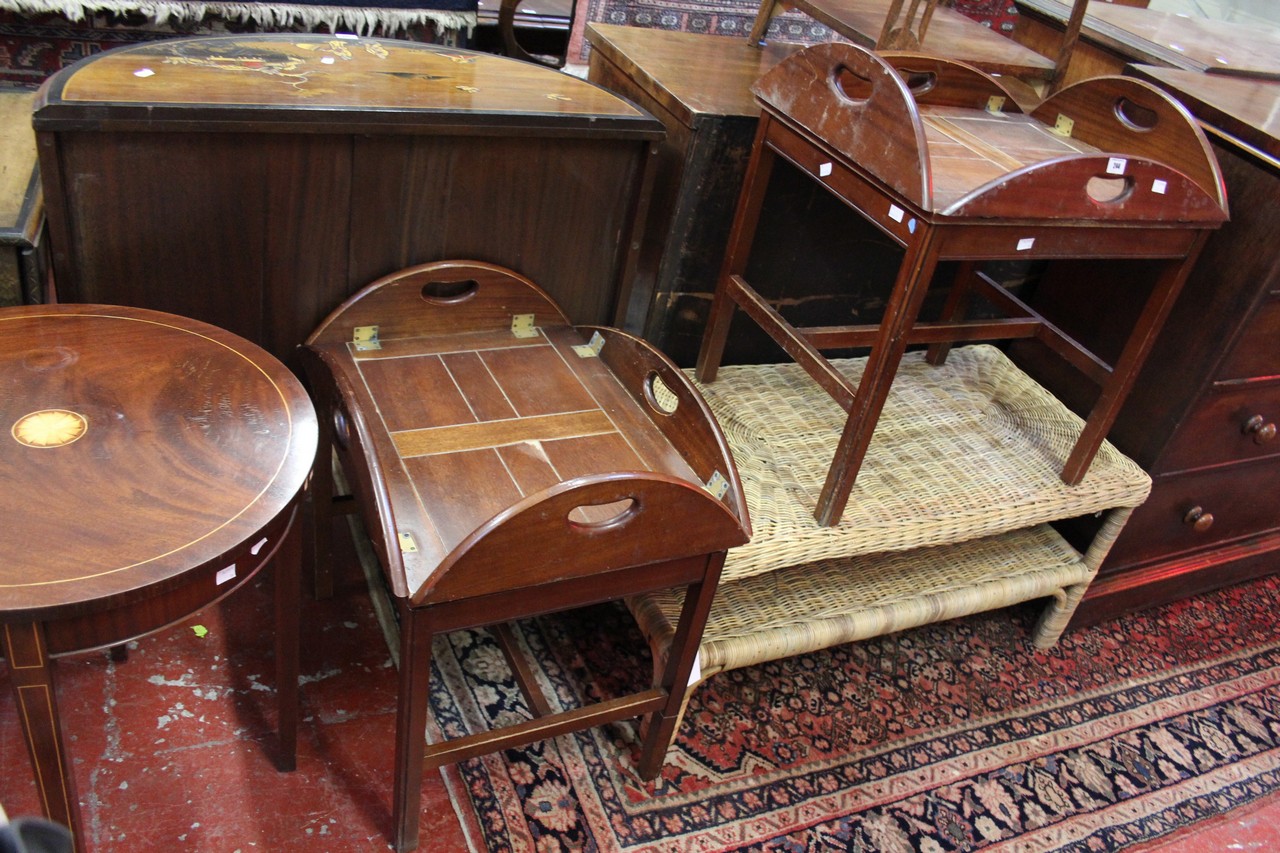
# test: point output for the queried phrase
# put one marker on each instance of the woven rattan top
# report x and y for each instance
(968, 449)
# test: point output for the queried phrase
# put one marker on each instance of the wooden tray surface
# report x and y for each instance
(312, 78)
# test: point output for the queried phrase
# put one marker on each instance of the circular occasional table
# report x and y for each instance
(149, 465)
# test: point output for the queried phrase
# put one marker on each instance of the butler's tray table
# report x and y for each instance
(507, 463)
(939, 158)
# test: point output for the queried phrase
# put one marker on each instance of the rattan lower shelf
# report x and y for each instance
(949, 516)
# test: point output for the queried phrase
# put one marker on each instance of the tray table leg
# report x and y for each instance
(411, 725)
(1116, 388)
(745, 219)
(321, 503)
(899, 316)
(660, 729)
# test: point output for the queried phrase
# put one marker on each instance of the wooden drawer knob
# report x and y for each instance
(1261, 430)
(1198, 519)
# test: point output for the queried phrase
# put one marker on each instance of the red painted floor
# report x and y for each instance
(1251, 830)
(179, 756)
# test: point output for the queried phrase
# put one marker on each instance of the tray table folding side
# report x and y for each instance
(952, 461)
(941, 159)
(507, 463)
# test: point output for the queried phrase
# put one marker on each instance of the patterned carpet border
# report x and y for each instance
(952, 737)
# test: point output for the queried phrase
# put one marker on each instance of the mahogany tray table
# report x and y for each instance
(150, 466)
(939, 158)
(507, 463)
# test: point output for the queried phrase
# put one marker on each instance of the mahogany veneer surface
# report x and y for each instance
(256, 181)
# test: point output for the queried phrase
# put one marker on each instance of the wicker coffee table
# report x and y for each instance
(949, 516)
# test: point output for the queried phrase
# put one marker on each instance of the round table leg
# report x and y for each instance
(31, 673)
(287, 565)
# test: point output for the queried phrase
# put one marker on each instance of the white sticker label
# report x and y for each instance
(225, 575)
(258, 546)
(824, 171)
(1026, 243)
(695, 673)
(1159, 186)
(896, 213)
(1116, 165)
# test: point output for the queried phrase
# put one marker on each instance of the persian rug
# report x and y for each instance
(735, 18)
(957, 736)
(40, 37)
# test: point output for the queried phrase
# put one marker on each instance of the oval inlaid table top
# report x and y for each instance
(136, 446)
(222, 82)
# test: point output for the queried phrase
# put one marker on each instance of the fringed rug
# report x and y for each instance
(40, 37)
(957, 736)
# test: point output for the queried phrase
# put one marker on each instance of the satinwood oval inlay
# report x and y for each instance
(49, 428)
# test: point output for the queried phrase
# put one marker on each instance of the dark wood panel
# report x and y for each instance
(537, 381)
(529, 467)
(308, 208)
(555, 212)
(592, 455)
(438, 480)
(478, 386)
(153, 218)
(1257, 353)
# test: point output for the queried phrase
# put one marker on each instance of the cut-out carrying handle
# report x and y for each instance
(1091, 187)
(1134, 119)
(440, 298)
(939, 82)
(645, 517)
(450, 291)
(853, 101)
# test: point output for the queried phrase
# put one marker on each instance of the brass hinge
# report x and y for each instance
(717, 485)
(591, 348)
(522, 326)
(365, 338)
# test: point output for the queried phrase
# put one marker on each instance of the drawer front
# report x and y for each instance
(1242, 500)
(1257, 353)
(871, 202)
(1227, 426)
